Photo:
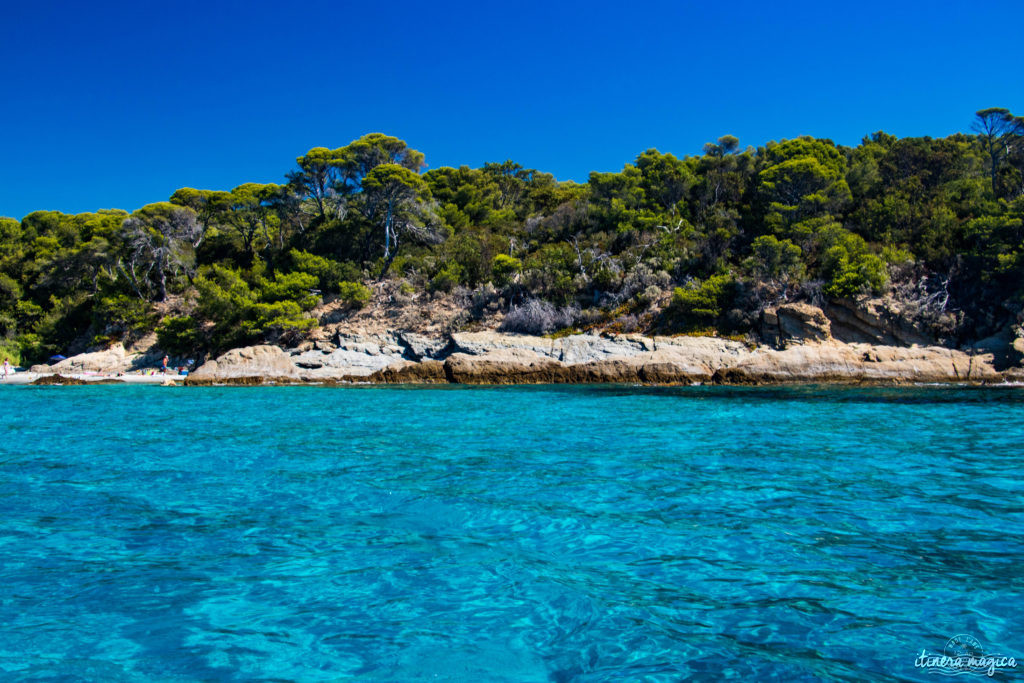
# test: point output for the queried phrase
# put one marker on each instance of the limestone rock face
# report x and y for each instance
(420, 346)
(804, 322)
(113, 360)
(648, 368)
(492, 358)
(848, 363)
(250, 361)
(675, 361)
(613, 370)
(371, 344)
(344, 362)
(348, 357)
(506, 366)
(710, 351)
(1014, 375)
(407, 372)
(590, 348)
(795, 323)
(480, 343)
(874, 321)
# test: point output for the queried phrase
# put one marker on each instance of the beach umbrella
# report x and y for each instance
(58, 357)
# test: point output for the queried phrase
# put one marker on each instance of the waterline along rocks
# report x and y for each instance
(494, 358)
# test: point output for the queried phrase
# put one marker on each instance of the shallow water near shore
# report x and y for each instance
(517, 533)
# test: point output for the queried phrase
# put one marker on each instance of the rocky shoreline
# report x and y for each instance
(491, 358)
(797, 346)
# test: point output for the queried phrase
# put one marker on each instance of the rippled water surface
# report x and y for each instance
(519, 534)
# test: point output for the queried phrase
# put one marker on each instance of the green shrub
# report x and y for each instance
(284, 318)
(125, 316)
(849, 268)
(896, 256)
(850, 276)
(232, 313)
(295, 286)
(776, 259)
(447, 278)
(61, 323)
(549, 272)
(327, 272)
(701, 304)
(404, 265)
(504, 267)
(33, 350)
(354, 294)
(10, 349)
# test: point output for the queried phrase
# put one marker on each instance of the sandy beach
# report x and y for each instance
(22, 378)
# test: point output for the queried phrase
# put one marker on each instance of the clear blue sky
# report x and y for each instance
(119, 104)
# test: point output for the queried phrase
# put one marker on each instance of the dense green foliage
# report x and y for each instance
(354, 294)
(729, 231)
(702, 303)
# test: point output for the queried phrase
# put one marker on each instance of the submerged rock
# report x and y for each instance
(57, 380)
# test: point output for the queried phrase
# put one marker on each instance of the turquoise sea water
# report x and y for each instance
(519, 534)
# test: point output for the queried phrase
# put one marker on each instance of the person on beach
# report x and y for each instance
(164, 368)
(7, 367)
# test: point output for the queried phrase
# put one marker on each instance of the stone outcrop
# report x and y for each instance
(492, 358)
(874, 321)
(351, 361)
(508, 366)
(578, 348)
(482, 343)
(250, 361)
(591, 348)
(794, 323)
(421, 347)
(113, 360)
(407, 372)
(855, 363)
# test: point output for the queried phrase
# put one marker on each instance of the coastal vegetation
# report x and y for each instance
(674, 244)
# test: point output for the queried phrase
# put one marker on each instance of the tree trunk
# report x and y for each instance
(390, 235)
(162, 274)
(387, 233)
